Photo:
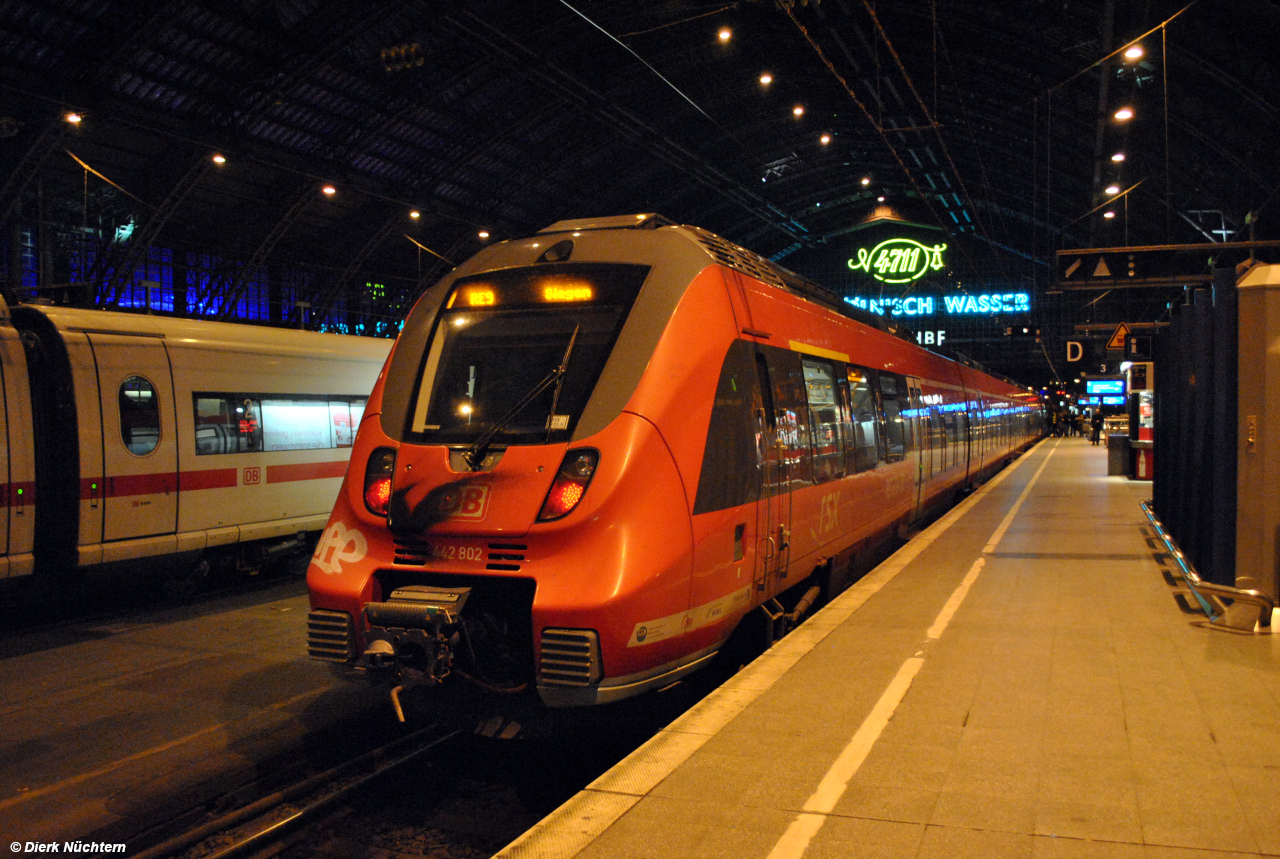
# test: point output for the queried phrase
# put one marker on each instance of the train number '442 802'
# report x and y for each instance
(456, 552)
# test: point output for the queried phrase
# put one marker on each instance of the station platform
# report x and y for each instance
(1017, 681)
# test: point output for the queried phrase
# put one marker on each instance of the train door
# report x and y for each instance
(917, 428)
(17, 462)
(775, 433)
(139, 445)
(5, 486)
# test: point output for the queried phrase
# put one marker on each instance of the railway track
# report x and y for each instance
(264, 826)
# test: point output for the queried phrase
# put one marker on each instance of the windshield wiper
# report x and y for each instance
(473, 456)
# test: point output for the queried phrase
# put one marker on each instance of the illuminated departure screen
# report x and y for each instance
(1104, 386)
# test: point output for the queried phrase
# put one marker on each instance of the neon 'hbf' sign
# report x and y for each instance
(899, 260)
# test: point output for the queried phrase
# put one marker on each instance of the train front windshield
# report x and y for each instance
(501, 342)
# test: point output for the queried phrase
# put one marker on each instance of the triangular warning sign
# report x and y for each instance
(1119, 338)
(1102, 270)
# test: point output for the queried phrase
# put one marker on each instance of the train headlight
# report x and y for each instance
(570, 484)
(377, 480)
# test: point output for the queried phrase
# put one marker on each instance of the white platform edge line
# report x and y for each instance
(567, 831)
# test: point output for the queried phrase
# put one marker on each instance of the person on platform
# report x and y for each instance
(1096, 423)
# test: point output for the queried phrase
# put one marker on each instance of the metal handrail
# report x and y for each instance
(1248, 610)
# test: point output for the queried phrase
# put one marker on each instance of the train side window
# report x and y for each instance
(296, 424)
(250, 423)
(766, 391)
(894, 399)
(824, 419)
(139, 416)
(938, 433)
(866, 426)
(344, 420)
(733, 463)
(792, 416)
(227, 423)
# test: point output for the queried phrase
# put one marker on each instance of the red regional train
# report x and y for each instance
(130, 437)
(595, 452)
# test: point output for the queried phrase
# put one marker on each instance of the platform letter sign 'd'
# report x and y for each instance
(899, 260)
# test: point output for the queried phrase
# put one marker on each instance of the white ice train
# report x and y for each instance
(129, 437)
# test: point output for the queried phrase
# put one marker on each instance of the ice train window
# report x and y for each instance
(296, 424)
(139, 415)
(239, 422)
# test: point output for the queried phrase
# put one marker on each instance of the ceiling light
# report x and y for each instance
(880, 198)
(725, 34)
(766, 78)
(219, 158)
(329, 190)
(415, 214)
(826, 138)
(866, 180)
(1124, 113)
(72, 117)
(1118, 157)
(1108, 214)
(1133, 52)
(484, 234)
(797, 111)
(1113, 189)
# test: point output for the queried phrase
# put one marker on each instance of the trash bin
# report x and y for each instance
(1118, 455)
(1143, 460)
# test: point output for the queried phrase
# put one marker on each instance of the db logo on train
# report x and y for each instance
(465, 502)
(252, 476)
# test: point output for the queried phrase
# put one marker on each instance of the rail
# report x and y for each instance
(1226, 606)
(262, 824)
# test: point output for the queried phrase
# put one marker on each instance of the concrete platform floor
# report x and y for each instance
(105, 720)
(1017, 681)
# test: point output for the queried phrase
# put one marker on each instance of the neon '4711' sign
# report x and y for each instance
(899, 260)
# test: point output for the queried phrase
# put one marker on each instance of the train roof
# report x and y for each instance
(752, 264)
(740, 259)
(181, 329)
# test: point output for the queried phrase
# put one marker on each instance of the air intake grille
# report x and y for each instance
(570, 657)
(505, 556)
(414, 553)
(740, 258)
(330, 636)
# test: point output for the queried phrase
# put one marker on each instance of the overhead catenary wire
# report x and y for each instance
(930, 122)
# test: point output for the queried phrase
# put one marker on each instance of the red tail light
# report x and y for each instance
(570, 484)
(377, 480)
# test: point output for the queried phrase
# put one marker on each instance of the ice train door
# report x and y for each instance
(140, 452)
(17, 461)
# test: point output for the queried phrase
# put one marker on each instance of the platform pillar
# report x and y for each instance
(1258, 442)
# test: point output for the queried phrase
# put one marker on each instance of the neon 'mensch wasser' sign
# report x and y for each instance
(951, 305)
(899, 260)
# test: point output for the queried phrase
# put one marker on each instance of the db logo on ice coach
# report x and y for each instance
(465, 502)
